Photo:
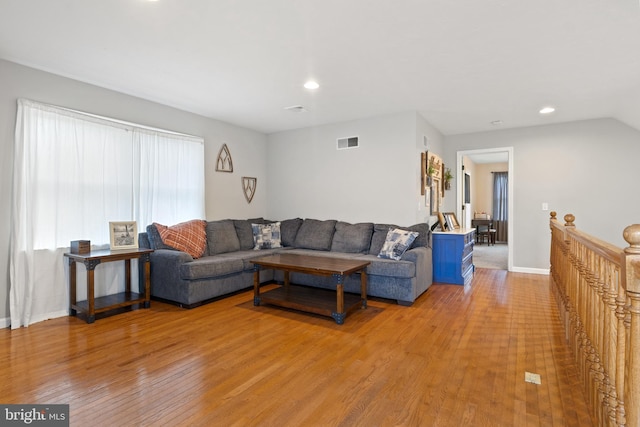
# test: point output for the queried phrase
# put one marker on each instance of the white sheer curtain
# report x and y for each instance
(73, 173)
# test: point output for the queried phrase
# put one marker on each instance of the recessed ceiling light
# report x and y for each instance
(311, 85)
(496, 122)
(547, 110)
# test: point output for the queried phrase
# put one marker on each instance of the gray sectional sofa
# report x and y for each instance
(226, 265)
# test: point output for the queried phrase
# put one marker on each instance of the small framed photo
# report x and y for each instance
(123, 235)
(452, 221)
(442, 221)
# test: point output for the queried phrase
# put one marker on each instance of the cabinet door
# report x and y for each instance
(447, 260)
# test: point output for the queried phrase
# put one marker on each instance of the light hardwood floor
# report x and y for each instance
(455, 358)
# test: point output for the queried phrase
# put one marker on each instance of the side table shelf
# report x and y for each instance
(453, 256)
(92, 305)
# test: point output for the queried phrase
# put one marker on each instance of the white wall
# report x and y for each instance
(377, 182)
(588, 168)
(224, 196)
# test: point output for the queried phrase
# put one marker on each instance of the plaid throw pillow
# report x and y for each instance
(189, 237)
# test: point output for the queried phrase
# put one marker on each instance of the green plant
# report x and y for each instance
(448, 176)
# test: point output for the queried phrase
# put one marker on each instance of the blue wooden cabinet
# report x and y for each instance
(453, 256)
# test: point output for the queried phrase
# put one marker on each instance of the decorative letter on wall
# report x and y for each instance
(224, 162)
(249, 187)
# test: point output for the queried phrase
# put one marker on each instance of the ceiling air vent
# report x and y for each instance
(348, 142)
(296, 109)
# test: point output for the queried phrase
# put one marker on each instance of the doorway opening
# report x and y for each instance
(473, 173)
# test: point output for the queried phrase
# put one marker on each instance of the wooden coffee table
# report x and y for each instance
(313, 300)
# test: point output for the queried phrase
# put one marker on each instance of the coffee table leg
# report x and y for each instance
(256, 285)
(339, 314)
(286, 280)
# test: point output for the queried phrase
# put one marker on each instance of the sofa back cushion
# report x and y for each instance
(352, 238)
(245, 232)
(315, 234)
(380, 235)
(289, 230)
(424, 236)
(222, 237)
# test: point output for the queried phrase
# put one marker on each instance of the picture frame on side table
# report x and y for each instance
(442, 221)
(452, 221)
(123, 235)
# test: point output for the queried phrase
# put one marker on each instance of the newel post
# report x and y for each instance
(632, 285)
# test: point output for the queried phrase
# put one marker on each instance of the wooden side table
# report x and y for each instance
(94, 305)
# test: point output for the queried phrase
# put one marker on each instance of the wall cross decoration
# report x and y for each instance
(224, 162)
(249, 187)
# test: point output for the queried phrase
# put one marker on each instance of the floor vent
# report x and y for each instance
(348, 142)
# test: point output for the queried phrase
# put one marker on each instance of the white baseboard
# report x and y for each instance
(544, 271)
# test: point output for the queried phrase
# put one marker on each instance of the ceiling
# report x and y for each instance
(461, 64)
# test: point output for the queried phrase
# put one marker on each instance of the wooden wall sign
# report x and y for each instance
(224, 162)
(249, 185)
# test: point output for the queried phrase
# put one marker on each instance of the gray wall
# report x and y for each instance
(378, 182)
(588, 168)
(224, 196)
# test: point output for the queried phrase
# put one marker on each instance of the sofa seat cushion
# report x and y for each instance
(389, 267)
(327, 254)
(247, 256)
(210, 266)
(352, 238)
(315, 234)
(377, 266)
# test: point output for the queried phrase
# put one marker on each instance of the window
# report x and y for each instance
(75, 172)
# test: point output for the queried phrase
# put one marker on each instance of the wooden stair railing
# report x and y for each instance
(597, 287)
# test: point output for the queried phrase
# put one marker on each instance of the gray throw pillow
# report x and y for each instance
(352, 238)
(315, 234)
(222, 237)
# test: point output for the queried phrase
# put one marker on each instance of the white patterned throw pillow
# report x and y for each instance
(397, 243)
(266, 236)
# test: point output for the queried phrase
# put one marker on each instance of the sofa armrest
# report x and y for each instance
(421, 256)
(171, 257)
(143, 241)
(413, 254)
